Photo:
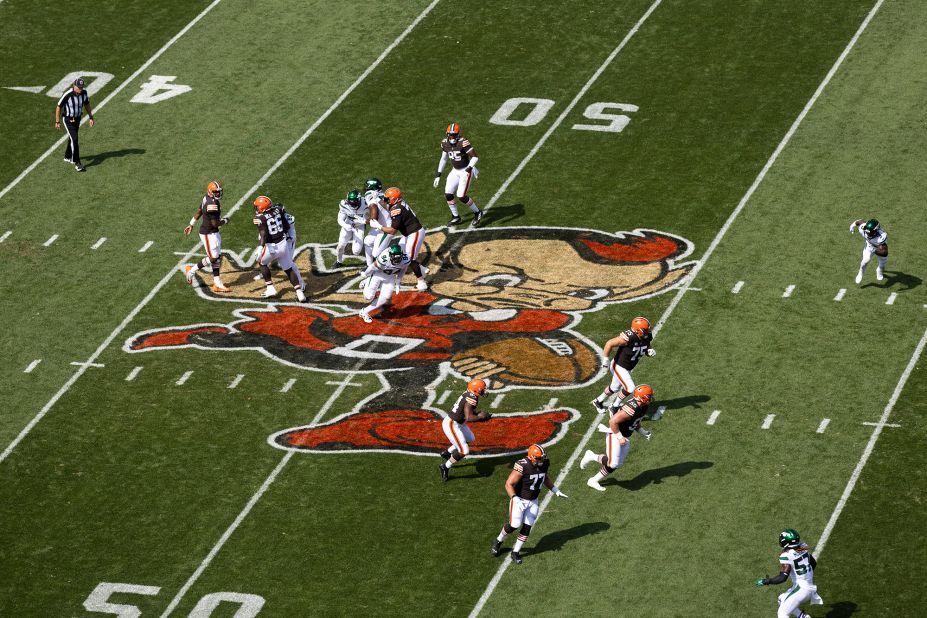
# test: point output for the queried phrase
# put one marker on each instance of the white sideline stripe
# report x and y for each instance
(48, 243)
(32, 365)
(768, 421)
(871, 444)
(824, 423)
(98, 243)
(183, 379)
(840, 294)
(171, 273)
(713, 418)
(505, 565)
(134, 373)
(289, 384)
(443, 397)
(497, 400)
(330, 383)
(97, 107)
(236, 380)
(561, 117)
(883, 424)
(190, 253)
(81, 364)
(891, 298)
(788, 291)
(737, 287)
(550, 404)
(250, 505)
(6, 235)
(772, 159)
(146, 246)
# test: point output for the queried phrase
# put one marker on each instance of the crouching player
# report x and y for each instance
(383, 276)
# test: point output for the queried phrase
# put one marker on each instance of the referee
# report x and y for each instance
(70, 106)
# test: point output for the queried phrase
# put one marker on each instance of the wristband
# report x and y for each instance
(192, 222)
(555, 490)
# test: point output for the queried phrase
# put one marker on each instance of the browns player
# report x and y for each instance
(621, 425)
(273, 226)
(632, 344)
(523, 486)
(406, 223)
(455, 427)
(463, 159)
(209, 211)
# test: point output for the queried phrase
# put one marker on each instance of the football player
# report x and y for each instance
(383, 276)
(291, 245)
(876, 242)
(273, 226)
(378, 216)
(455, 427)
(406, 223)
(209, 211)
(631, 345)
(795, 561)
(463, 160)
(523, 486)
(352, 217)
(625, 421)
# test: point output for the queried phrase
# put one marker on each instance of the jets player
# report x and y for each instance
(383, 276)
(378, 216)
(523, 487)
(455, 427)
(795, 561)
(876, 242)
(463, 160)
(352, 217)
(405, 223)
(291, 245)
(209, 211)
(631, 345)
(618, 435)
(272, 228)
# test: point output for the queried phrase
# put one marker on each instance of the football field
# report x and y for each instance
(169, 451)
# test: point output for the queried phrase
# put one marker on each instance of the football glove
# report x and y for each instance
(224, 221)
(651, 352)
(759, 583)
(645, 433)
(559, 493)
(437, 181)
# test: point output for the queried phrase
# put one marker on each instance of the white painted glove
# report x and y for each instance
(437, 181)
(559, 493)
(644, 432)
(651, 352)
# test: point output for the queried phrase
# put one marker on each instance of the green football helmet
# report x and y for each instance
(789, 538)
(354, 198)
(373, 184)
(395, 255)
(871, 228)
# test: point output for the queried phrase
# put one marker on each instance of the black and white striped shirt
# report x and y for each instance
(72, 104)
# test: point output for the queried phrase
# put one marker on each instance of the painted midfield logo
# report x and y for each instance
(502, 306)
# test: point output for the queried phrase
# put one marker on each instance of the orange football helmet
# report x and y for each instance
(453, 132)
(643, 393)
(477, 387)
(262, 203)
(640, 326)
(214, 188)
(393, 195)
(536, 453)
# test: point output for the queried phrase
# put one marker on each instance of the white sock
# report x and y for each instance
(521, 541)
(472, 205)
(453, 207)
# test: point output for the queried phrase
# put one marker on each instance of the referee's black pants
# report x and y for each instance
(72, 152)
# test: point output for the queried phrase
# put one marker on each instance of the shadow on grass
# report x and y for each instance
(480, 469)
(657, 475)
(842, 609)
(503, 214)
(893, 278)
(692, 401)
(98, 158)
(555, 541)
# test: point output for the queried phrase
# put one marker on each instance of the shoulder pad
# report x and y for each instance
(519, 465)
(256, 221)
(464, 143)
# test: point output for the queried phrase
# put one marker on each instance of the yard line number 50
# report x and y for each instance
(603, 111)
(249, 605)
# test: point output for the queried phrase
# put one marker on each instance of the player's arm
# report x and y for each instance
(855, 225)
(549, 484)
(471, 415)
(617, 418)
(512, 482)
(196, 217)
(614, 342)
(441, 163)
(262, 230)
(473, 158)
(344, 221)
(778, 579)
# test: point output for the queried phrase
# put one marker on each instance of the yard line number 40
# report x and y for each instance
(607, 113)
(249, 605)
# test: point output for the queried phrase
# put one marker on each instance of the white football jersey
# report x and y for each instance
(876, 240)
(800, 561)
(379, 200)
(388, 268)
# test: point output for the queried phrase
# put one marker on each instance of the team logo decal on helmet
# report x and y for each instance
(353, 198)
(395, 255)
(373, 184)
(789, 538)
(214, 189)
(871, 228)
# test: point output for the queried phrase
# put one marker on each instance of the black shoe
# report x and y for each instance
(477, 218)
(338, 264)
(598, 406)
(67, 160)
(445, 455)
(455, 221)
(516, 557)
(79, 167)
(496, 548)
(443, 472)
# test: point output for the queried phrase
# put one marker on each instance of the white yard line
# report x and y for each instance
(894, 425)
(550, 405)
(98, 106)
(737, 287)
(840, 294)
(48, 243)
(883, 422)
(713, 418)
(236, 380)
(32, 365)
(891, 298)
(183, 379)
(6, 235)
(788, 291)
(289, 384)
(134, 373)
(769, 163)
(146, 246)
(98, 243)
(172, 273)
(768, 421)
(444, 397)
(824, 423)
(497, 400)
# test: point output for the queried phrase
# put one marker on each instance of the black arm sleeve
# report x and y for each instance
(814, 563)
(778, 579)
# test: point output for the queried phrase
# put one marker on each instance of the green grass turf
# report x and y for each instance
(135, 481)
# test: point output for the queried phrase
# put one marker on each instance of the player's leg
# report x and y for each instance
(516, 517)
(344, 239)
(621, 383)
(265, 257)
(609, 461)
(285, 261)
(867, 256)
(458, 437)
(370, 291)
(450, 188)
(357, 240)
(880, 269)
(413, 246)
(463, 188)
(530, 516)
(215, 240)
(291, 252)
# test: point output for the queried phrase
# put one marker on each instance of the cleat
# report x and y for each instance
(443, 472)
(366, 318)
(425, 270)
(477, 218)
(220, 289)
(453, 221)
(516, 557)
(270, 292)
(300, 295)
(258, 277)
(588, 458)
(445, 455)
(338, 264)
(598, 405)
(67, 160)
(496, 548)
(188, 273)
(879, 276)
(859, 277)
(79, 167)
(595, 484)
(421, 285)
